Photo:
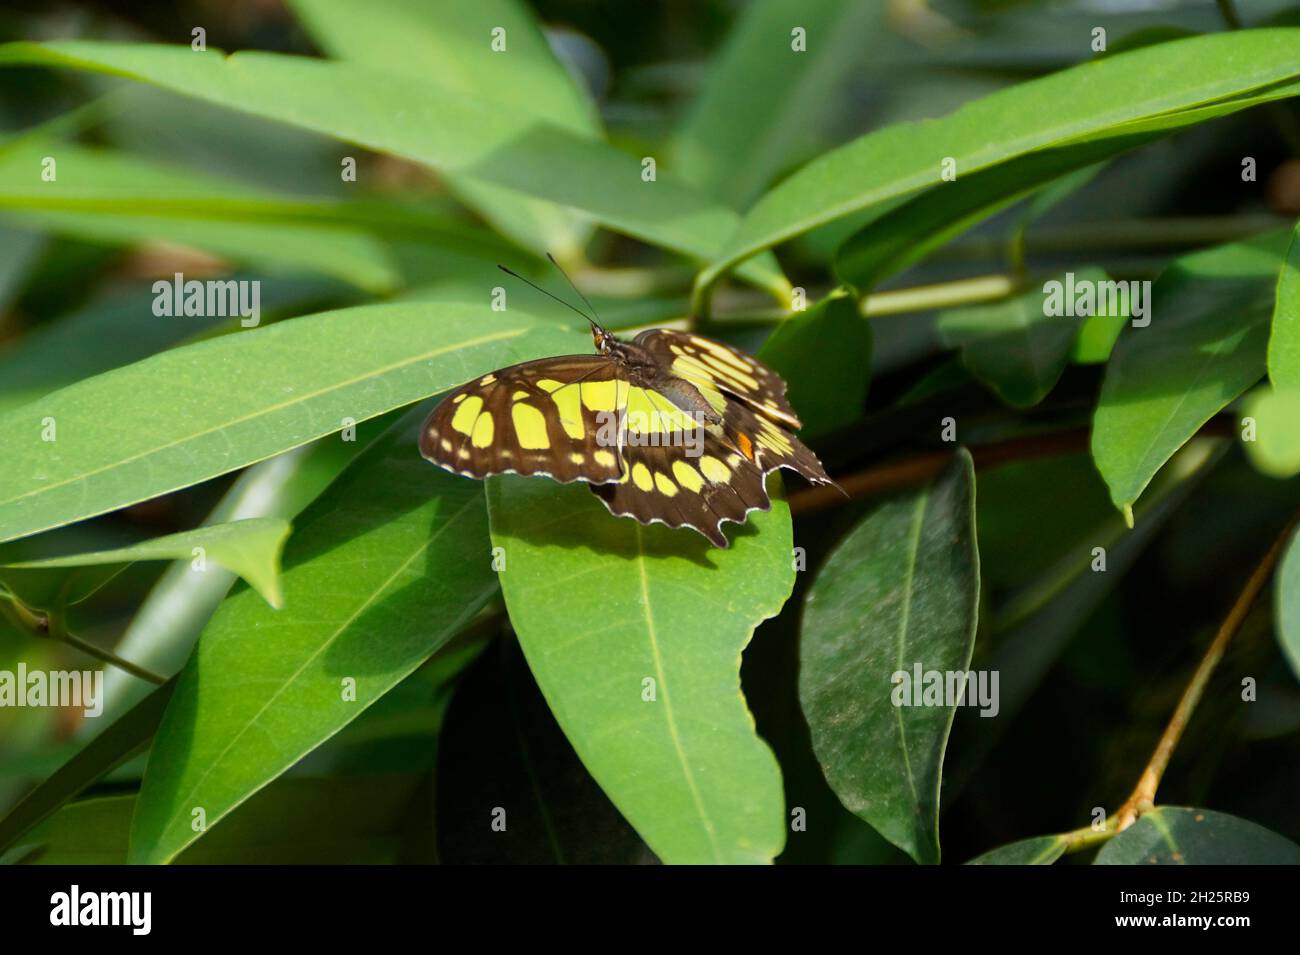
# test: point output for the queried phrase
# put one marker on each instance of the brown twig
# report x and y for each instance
(893, 475)
(1144, 794)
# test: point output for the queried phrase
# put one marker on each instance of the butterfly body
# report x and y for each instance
(669, 428)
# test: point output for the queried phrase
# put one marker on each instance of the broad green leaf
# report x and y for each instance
(250, 548)
(1270, 433)
(123, 738)
(1016, 347)
(384, 569)
(195, 412)
(912, 231)
(166, 624)
(1204, 346)
(113, 197)
(450, 130)
(1286, 604)
(764, 100)
(1284, 336)
(1157, 88)
(898, 595)
(1174, 835)
(341, 821)
(634, 635)
(450, 45)
(121, 328)
(1040, 850)
(824, 355)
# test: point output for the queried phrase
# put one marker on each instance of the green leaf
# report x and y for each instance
(824, 355)
(195, 412)
(1040, 850)
(123, 738)
(1273, 442)
(900, 592)
(343, 821)
(1204, 346)
(166, 624)
(912, 231)
(1016, 347)
(764, 101)
(1284, 337)
(250, 548)
(114, 197)
(450, 130)
(385, 568)
(123, 329)
(449, 45)
(1286, 604)
(1158, 88)
(1174, 835)
(634, 635)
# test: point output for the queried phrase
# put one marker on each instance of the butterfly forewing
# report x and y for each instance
(541, 417)
(711, 365)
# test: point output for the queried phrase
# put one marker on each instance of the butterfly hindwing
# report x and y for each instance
(540, 417)
(711, 365)
(666, 485)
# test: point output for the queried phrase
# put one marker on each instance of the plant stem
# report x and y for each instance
(984, 288)
(1144, 794)
(41, 624)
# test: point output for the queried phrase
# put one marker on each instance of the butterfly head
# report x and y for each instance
(603, 340)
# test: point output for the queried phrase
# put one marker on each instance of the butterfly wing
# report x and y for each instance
(714, 474)
(664, 484)
(540, 417)
(712, 366)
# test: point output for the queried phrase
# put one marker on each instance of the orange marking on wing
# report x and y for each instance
(746, 446)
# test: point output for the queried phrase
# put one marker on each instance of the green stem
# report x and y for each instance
(984, 288)
(41, 624)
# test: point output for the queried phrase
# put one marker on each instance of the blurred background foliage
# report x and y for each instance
(1100, 662)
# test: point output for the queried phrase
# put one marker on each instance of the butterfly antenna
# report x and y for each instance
(568, 305)
(572, 285)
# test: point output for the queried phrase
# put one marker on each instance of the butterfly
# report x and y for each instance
(670, 427)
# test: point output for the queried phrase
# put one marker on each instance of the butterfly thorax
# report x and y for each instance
(643, 369)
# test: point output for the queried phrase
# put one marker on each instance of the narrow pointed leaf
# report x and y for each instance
(450, 130)
(1284, 336)
(1158, 88)
(897, 596)
(386, 567)
(192, 413)
(448, 44)
(634, 635)
(250, 548)
(1204, 346)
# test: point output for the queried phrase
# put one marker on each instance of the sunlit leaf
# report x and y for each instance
(634, 635)
(385, 568)
(195, 412)
(250, 548)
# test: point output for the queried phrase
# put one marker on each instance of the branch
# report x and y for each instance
(1144, 794)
